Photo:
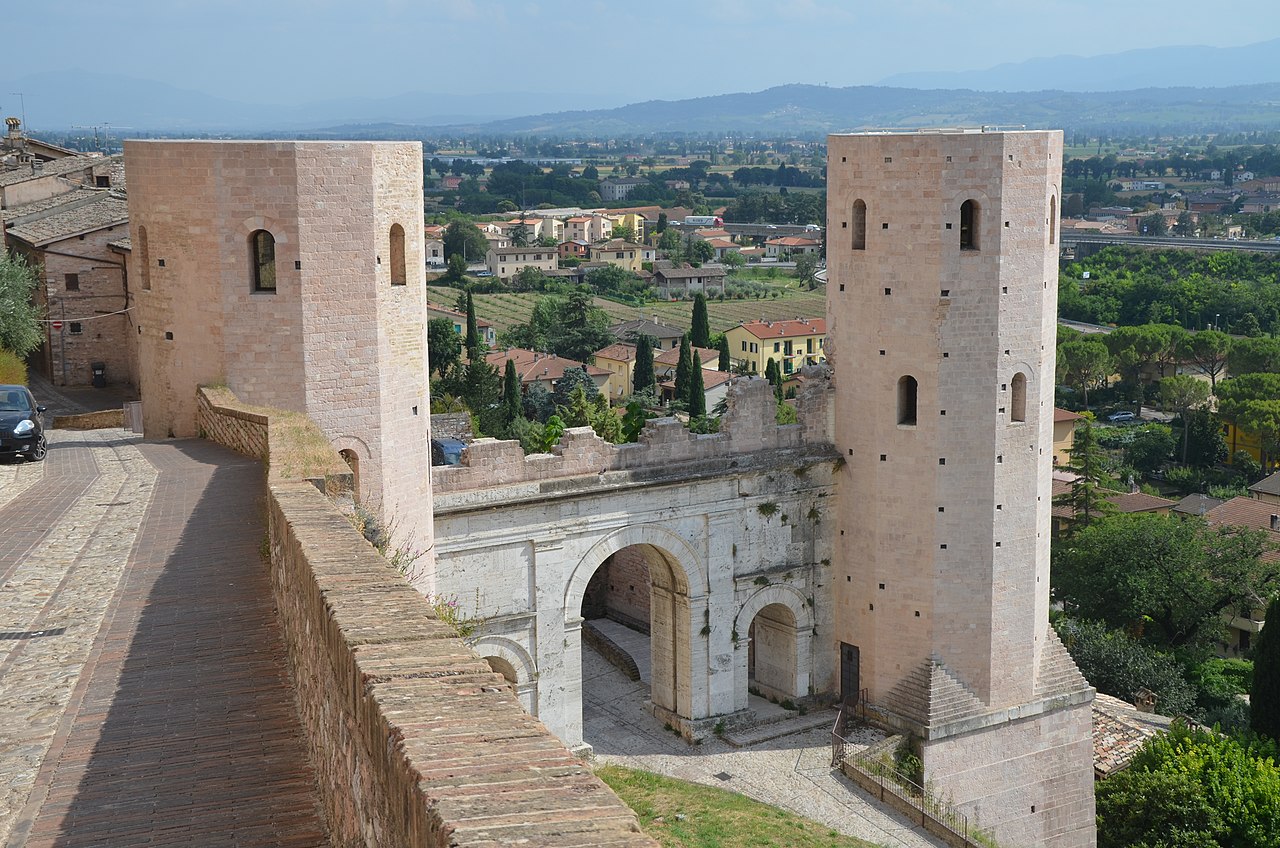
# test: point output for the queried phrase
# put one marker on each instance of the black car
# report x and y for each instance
(21, 424)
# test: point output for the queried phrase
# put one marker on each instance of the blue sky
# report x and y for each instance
(273, 51)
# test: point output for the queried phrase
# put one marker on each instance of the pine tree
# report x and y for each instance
(725, 364)
(511, 398)
(1264, 699)
(700, 334)
(473, 331)
(1087, 498)
(697, 399)
(643, 376)
(682, 368)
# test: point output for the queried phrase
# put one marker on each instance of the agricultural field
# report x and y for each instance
(508, 309)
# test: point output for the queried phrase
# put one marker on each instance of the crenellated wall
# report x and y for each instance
(748, 427)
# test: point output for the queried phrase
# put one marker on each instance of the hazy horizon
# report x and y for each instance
(296, 51)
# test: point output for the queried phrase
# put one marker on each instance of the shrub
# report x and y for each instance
(12, 369)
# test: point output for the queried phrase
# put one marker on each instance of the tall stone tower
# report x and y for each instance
(942, 298)
(294, 273)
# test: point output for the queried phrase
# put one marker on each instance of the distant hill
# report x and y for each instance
(1214, 67)
(818, 109)
(135, 107)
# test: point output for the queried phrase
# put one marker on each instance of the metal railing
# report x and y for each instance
(889, 780)
(849, 708)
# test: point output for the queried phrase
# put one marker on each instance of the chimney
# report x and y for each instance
(1275, 521)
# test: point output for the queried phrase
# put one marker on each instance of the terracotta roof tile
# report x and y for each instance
(786, 329)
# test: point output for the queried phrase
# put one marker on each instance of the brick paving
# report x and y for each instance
(142, 661)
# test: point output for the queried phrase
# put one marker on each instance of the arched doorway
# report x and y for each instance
(777, 663)
(353, 462)
(637, 579)
(644, 592)
(503, 667)
(771, 653)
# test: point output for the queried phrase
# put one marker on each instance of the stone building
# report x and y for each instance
(83, 289)
(293, 272)
(942, 308)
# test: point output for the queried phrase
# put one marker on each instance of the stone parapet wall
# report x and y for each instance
(415, 741)
(749, 426)
(220, 418)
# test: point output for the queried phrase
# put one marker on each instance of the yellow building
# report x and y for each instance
(624, 254)
(1242, 440)
(620, 361)
(1064, 433)
(634, 220)
(793, 344)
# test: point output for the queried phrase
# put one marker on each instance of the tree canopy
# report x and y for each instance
(465, 239)
(1166, 578)
(20, 330)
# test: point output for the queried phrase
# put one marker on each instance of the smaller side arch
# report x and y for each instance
(775, 593)
(353, 447)
(510, 651)
(512, 654)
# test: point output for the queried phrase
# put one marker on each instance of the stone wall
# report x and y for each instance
(219, 419)
(415, 741)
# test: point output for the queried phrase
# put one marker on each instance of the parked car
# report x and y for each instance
(1123, 415)
(21, 424)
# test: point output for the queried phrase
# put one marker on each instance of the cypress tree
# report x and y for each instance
(697, 399)
(512, 402)
(700, 334)
(1264, 699)
(725, 363)
(473, 332)
(773, 373)
(682, 368)
(643, 377)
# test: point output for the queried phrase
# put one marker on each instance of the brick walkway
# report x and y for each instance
(142, 662)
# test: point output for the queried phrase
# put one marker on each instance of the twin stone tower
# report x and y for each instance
(294, 273)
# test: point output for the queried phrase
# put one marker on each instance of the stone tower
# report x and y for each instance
(942, 298)
(294, 273)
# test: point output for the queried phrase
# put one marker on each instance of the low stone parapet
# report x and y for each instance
(102, 420)
(415, 741)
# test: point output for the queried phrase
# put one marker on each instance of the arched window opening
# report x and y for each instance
(1053, 219)
(398, 275)
(969, 225)
(1018, 397)
(262, 256)
(353, 462)
(907, 387)
(859, 224)
(144, 258)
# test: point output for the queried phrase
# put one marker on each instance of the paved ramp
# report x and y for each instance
(142, 676)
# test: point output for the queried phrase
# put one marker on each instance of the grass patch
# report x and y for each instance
(13, 371)
(687, 815)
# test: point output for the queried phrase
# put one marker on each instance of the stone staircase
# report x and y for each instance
(778, 727)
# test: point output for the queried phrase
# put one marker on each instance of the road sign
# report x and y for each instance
(57, 325)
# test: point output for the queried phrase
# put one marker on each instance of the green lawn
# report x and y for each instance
(506, 309)
(687, 815)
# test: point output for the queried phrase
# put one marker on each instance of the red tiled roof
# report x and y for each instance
(533, 366)
(1065, 415)
(1119, 730)
(710, 357)
(621, 352)
(785, 329)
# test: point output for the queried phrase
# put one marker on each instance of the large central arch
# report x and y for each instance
(678, 594)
